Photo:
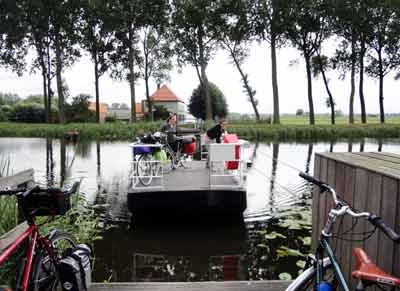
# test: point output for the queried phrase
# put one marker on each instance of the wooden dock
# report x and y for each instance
(194, 286)
(189, 190)
(367, 181)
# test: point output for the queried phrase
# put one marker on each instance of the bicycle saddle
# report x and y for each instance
(368, 271)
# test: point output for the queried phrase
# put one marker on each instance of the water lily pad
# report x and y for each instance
(301, 264)
(306, 240)
(285, 276)
(287, 252)
(262, 246)
(274, 235)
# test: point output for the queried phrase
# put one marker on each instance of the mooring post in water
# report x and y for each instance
(368, 182)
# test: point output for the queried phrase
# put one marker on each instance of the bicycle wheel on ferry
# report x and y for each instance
(44, 276)
(145, 169)
(307, 280)
(168, 164)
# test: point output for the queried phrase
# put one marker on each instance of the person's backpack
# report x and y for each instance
(75, 269)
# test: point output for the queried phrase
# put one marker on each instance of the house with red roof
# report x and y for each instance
(165, 97)
(103, 110)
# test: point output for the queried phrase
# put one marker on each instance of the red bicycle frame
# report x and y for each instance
(33, 233)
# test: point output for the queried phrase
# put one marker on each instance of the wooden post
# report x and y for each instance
(368, 182)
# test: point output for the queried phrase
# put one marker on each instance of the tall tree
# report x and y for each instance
(38, 16)
(64, 22)
(157, 59)
(130, 17)
(362, 25)
(193, 26)
(307, 28)
(97, 39)
(267, 17)
(320, 64)
(235, 38)
(12, 36)
(346, 53)
(384, 46)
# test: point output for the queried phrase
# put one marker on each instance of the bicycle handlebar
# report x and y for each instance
(372, 218)
(378, 222)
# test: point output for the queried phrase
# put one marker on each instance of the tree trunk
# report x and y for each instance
(275, 92)
(60, 88)
(204, 83)
(331, 101)
(361, 83)
(45, 98)
(132, 75)
(49, 91)
(309, 86)
(381, 77)
(96, 84)
(149, 103)
(352, 81)
(247, 86)
(146, 81)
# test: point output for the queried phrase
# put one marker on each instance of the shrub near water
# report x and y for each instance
(246, 130)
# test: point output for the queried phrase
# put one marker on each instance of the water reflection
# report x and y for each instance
(162, 248)
(148, 249)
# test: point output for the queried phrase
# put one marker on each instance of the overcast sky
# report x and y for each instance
(291, 78)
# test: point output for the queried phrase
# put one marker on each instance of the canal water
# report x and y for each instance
(269, 242)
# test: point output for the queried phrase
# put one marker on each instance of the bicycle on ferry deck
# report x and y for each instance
(154, 156)
(40, 268)
(324, 273)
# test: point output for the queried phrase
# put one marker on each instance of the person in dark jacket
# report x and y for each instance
(216, 132)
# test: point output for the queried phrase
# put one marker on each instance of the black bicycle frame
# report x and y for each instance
(325, 247)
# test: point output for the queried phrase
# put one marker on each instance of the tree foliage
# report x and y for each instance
(197, 104)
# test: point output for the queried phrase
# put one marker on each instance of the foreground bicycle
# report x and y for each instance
(39, 271)
(325, 274)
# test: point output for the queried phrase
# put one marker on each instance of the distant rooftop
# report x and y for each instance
(164, 94)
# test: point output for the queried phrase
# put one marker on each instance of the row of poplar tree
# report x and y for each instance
(133, 39)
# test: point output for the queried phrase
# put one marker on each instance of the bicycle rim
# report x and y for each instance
(168, 165)
(307, 280)
(44, 276)
(145, 169)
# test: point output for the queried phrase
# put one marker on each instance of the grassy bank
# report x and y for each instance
(248, 130)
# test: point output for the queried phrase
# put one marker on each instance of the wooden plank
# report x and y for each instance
(353, 160)
(396, 261)
(315, 204)
(194, 286)
(322, 196)
(360, 203)
(380, 159)
(9, 237)
(18, 179)
(393, 158)
(388, 214)
(350, 174)
(374, 200)
(339, 186)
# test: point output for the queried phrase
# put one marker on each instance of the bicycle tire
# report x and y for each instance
(168, 165)
(44, 276)
(145, 169)
(306, 280)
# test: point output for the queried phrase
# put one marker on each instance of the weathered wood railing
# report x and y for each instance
(368, 181)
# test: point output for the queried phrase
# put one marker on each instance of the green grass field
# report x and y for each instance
(291, 128)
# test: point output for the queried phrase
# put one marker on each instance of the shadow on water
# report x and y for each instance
(165, 248)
